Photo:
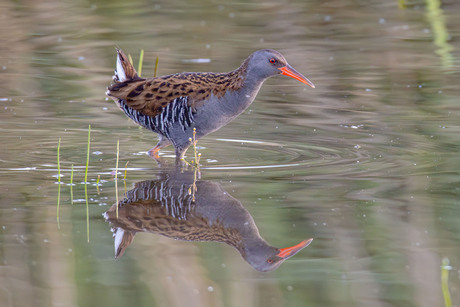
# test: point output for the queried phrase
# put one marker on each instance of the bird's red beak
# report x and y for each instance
(291, 72)
(291, 251)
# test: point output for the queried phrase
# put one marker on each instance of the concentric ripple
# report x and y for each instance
(257, 154)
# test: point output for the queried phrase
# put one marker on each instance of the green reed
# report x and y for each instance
(196, 154)
(97, 184)
(156, 67)
(71, 181)
(141, 60)
(195, 164)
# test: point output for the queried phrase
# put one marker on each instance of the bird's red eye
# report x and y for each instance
(272, 60)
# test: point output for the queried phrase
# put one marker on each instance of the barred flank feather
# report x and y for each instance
(177, 111)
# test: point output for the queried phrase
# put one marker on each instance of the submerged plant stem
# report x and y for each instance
(126, 170)
(86, 183)
(87, 154)
(124, 179)
(71, 185)
(116, 176)
(87, 213)
(59, 184)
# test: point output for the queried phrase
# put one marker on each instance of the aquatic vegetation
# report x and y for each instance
(116, 175)
(445, 268)
(59, 183)
(87, 154)
(86, 183)
(156, 67)
(124, 178)
(196, 164)
(71, 185)
(196, 154)
(97, 184)
(141, 60)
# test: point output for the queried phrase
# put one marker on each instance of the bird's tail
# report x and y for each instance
(125, 71)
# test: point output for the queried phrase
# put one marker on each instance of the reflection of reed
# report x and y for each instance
(86, 183)
(436, 18)
(445, 268)
(167, 208)
(59, 184)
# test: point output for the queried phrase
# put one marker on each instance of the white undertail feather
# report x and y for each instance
(124, 71)
(118, 236)
(120, 71)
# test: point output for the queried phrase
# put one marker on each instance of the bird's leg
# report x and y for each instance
(153, 153)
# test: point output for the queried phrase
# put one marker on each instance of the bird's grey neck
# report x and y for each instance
(239, 100)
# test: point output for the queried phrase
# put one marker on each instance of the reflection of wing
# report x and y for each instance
(171, 212)
(166, 208)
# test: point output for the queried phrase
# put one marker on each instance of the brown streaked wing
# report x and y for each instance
(150, 96)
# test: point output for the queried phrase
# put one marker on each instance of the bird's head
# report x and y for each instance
(266, 258)
(267, 63)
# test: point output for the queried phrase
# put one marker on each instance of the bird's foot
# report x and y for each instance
(154, 153)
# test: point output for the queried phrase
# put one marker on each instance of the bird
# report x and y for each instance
(176, 105)
(166, 207)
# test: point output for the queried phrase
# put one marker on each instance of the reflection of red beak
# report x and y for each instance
(291, 251)
(291, 72)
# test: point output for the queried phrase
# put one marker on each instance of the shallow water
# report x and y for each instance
(366, 163)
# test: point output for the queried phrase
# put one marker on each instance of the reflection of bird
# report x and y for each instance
(175, 104)
(167, 208)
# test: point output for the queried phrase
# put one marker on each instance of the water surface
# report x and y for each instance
(366, 164)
